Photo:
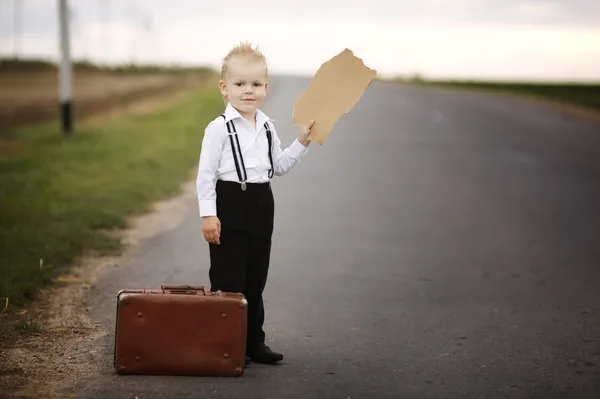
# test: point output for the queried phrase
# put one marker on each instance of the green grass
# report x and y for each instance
(57, 193)
(583, 94)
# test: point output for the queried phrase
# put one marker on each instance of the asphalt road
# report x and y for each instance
(438, 245)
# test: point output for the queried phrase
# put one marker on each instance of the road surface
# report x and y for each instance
(440, 244)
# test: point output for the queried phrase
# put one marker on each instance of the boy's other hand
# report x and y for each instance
(304, 133)
(211, 227)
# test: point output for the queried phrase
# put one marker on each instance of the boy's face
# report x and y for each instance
(245, 85)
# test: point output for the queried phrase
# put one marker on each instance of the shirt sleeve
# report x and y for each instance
(210, 156)
(285, 160)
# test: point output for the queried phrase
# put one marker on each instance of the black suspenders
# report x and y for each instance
(231, 129)
(240, 162)
(270, 141)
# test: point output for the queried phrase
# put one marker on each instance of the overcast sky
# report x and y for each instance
(530, 39)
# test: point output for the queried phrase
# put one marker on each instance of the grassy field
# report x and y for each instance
(30, 89)
(58, 194)
(585, 95)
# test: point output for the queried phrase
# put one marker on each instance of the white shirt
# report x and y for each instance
(217, 162)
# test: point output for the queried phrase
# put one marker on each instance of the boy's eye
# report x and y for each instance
(256, 84)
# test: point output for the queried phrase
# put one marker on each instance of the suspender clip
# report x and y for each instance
(243, 186)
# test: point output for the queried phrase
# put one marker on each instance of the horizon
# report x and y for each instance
(407, 77)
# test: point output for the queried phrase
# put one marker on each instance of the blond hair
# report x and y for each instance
(244, 49)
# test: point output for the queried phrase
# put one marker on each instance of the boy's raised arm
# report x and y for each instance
(285, 160)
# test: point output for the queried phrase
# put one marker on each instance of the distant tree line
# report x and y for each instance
(32, 65)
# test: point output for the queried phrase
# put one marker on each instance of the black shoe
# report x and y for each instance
(248, 360)
(263, 354)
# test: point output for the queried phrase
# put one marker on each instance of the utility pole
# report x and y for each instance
(105, 17)
(17, 19)
(65, 68)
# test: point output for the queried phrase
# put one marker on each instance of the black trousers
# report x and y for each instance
(240, 263)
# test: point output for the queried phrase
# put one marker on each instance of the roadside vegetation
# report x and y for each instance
(61, 196)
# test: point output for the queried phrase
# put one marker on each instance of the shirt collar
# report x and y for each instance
(232, 113)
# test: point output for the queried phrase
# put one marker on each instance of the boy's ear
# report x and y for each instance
(223, 88)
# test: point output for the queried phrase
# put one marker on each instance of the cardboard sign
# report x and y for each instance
(335, 89)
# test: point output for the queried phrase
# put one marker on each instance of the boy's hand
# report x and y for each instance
(304, 133)
(211, 227)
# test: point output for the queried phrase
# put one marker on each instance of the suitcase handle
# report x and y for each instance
(182, 289)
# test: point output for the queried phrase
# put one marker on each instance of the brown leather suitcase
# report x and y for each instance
(180, 330)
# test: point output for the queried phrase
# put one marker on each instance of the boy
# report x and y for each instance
(240, 153)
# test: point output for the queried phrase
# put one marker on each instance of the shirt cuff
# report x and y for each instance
(297, 150)
(207, 208)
